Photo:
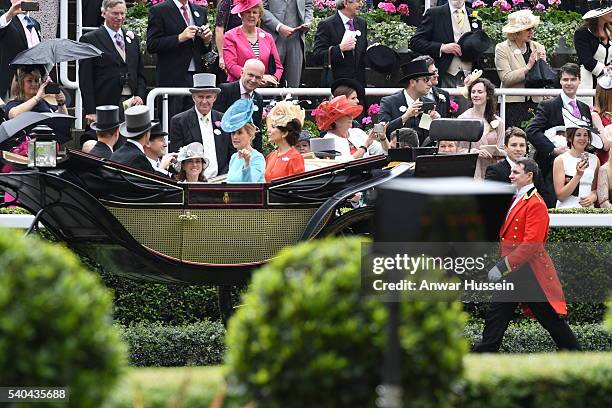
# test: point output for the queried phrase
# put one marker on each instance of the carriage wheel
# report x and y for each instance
(355, 222)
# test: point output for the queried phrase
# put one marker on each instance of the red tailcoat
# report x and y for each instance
(522, 241)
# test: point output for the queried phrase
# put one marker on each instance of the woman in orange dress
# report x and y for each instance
(284, 123)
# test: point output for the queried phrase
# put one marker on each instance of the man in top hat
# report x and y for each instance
(343, 39)
(404, 108)
(155, 150)
(288, 21)
(117, 76)
(203, 124)
(439, 95)
(528, 266)
(18, 32)
(177, 31)
(107, 130)
(550, 114)
(137, 130)
(439, 35)
(250, 79)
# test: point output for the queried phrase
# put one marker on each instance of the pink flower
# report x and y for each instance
(453, 106)
(554, 2)
(217, 123)
(387, 7)
(478, 3)
(314, 112)
(515, 2)
(366, 121)
(202, 3)
(374, 109)
(403, 10)
(502, 5)
(539, 6)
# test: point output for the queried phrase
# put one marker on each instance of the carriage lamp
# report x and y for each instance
(42, 149)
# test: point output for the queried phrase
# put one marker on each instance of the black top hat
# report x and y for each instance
(107, 118)
(137, 121)
(351, 83)
(414, 69)
(473, 44)
(382, 58)
(157, 131)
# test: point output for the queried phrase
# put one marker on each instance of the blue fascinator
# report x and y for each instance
(237, 115)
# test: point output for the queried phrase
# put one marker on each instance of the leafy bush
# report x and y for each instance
(307, 337)
(55, 322)
(158, 345)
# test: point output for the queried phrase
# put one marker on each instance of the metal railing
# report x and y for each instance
(502, 93)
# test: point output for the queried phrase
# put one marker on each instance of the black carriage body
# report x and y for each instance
(145, 226)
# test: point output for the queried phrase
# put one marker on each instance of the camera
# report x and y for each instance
(52, 88)
(428, 104)
(30, 6)
(379, 128)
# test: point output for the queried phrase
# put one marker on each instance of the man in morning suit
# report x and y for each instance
(107, 130)
(526, 263)
(439, 95)
(549, 114)
(250, 79)
(18, 32)
(404, 108)
(515, 144)
(137, 130)
(178, 33)
(203, 124)
(288, 21)
(343, 36)
(118, 74)
(438, 36)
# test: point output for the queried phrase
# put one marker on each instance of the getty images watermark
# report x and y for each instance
(451, 270)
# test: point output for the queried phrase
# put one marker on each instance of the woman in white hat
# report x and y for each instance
(592, 43)
(191, 163)
(514, 58)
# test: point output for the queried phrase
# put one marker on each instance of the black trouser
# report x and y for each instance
(502, 309)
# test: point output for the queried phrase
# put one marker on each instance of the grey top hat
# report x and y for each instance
(204, 83)
(107, 118)
(137, 121)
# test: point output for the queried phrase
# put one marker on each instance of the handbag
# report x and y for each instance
(327, 76)
(540, 75)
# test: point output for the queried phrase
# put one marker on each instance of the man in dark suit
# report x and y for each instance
(405, 108)
(18, 32)
(178, 33)
(549, 114)
(439, 95)
(107, 130)
(137, 130)
(438, 36)
(116, 77)
(250, 79)
(343, 36)
(515, 144)
(92, 16)
(203, 124)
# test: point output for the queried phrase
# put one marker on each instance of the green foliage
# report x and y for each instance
(608, 322)
(307, 337)
(55, 322)
(157, 345)
(138, 9)
(139, 27)
(310, 126)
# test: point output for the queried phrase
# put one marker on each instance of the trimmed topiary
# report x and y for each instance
(306, 337)
(55, 322)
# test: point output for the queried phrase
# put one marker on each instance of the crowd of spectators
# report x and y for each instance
(218, 130)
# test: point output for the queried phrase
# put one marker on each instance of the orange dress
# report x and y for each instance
(283, 165)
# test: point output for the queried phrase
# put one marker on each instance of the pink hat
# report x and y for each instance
(244, 5)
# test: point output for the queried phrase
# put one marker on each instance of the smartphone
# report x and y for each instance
(379, 128)
(30, 6)
(52, 88)
(585, 158)
(428, 104)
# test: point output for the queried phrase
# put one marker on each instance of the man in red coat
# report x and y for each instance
(526, 263)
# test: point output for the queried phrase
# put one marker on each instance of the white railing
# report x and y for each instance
(556, 220)
(502, 93)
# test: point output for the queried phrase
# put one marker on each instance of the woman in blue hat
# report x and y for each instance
(247, 165)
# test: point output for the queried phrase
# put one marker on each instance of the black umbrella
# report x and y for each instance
(59, 122)
(55, 51)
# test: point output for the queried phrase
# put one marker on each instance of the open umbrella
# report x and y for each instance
(55, 51)
(59, 122)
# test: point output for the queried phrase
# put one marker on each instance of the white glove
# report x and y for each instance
(495, 274)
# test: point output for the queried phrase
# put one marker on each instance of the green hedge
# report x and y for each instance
(560, 380)
(203, 343)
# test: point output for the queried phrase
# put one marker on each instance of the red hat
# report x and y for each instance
(330, 111)
(244, 5)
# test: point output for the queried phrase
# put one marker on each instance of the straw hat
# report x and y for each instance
(284, 112)
(330, 111)
(519, 21)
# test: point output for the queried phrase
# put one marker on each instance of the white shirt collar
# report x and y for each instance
(179, 4)
(243, 90)
(112, 32)
(200, 116)
(343, 17)
(453, 9)
(523, 190)
(409, 99)
(566, 99)
(509, 160)
(154, 163)
(137, 145)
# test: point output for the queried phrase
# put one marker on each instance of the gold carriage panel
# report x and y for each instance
(216, 236)
(226, 196)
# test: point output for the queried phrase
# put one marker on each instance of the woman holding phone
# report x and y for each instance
(574, 171)
(28, 93)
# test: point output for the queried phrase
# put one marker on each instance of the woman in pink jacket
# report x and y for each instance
(249, 41)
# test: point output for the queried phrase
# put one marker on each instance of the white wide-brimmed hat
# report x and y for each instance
(597, 8)
(571, 121)
(519, 21)
(605, 81)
